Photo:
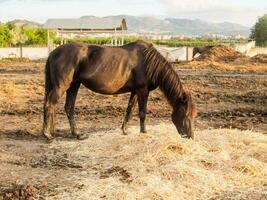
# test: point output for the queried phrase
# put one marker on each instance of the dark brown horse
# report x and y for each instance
(200, 50)
(136, 67)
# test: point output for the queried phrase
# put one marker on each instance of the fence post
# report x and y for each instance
(187, 54)
(116, 39)
(20, 50)
(122, 39)
(48, 41)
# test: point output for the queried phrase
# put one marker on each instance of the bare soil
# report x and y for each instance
(229, 96)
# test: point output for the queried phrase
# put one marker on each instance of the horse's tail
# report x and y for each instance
(48, 85)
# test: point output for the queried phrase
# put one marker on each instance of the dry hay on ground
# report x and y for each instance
(259, 58)
(219, 164)
(221, 53)
(237, 66)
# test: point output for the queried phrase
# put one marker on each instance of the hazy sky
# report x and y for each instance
(244, 12)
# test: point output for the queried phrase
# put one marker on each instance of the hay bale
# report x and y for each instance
(259, 58)
(221, 53)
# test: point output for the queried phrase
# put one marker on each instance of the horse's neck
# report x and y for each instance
(171, 85)
(161, 73)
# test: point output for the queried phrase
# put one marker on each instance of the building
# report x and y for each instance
(88, 27)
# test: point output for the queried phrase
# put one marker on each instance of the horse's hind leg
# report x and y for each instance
(69, 108)
(131, 105)
(49, 111)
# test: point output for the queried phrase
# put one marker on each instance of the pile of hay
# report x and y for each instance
(221, 53)
(219, 164)
(259, 58)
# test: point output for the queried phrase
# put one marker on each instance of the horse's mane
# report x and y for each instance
(161, 73)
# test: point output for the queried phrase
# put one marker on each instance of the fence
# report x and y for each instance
(172, 54)
(32, 53)
(255, 51)
(250, 49)
(244, 48)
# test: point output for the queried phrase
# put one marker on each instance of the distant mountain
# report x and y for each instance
(179, 26)
(25, 23)
(168, 25)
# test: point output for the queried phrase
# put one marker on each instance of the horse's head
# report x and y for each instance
(183, 116)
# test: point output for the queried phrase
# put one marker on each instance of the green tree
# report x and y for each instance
(259, 31)
(10, 26)
(41, 36)
(36, 36)
(15, 31)
(5, 35)
(30, 35)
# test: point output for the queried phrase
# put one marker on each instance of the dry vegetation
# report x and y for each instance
(226, 58)
(221, 53)
(161, 165)
(219, 164)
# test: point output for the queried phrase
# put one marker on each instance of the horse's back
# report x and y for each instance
(69, 51)
(102, 69)
(110, 70)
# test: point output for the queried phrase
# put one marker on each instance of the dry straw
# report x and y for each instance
(162, 165)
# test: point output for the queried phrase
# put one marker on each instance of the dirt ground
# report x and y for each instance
(231, 96)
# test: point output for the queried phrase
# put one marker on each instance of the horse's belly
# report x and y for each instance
(107, 76)
(105, 85)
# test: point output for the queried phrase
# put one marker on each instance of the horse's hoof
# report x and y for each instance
(143, 131)
(124, 132)
(82, 136)
(49, 141)
(48, 136)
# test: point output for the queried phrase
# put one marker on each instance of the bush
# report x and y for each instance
(36, 36)
(259, 31)
(5, 35)
(189, 43)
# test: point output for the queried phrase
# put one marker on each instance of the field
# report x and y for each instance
(228, 159)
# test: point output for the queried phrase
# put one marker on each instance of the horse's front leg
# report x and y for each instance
(129, 111)
(142, 95)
